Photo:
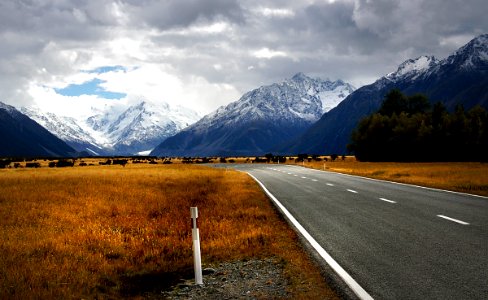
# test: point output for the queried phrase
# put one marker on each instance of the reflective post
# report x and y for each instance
(197, 260)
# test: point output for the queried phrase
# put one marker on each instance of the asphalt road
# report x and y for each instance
(396, 241)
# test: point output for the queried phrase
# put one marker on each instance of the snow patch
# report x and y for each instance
(145, 153)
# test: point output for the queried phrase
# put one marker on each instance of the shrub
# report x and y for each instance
(32, 165)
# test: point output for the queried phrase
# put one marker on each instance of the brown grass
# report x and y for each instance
(113, 232)
(467, 177)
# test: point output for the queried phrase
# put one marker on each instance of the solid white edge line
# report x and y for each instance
(453, 220)
(386, 200)
(353, 285)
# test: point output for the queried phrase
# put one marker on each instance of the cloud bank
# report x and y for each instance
(203, 54)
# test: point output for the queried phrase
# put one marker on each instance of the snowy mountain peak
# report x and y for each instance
(300, 77)
(476, 47)
(413, 67)
(299, 99)
(473, 54)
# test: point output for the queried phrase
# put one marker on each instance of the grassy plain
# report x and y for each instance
(466, 177)
(124, 232)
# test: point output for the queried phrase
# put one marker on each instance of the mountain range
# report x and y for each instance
(298, 115)
(23, 137)
(460, 79)
(136, 129)
(260, 121)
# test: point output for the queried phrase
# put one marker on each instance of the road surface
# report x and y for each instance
(396, 241)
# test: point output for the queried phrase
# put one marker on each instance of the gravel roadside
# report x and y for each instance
(251, 279)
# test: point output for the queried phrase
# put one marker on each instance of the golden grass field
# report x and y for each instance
(466, 177)
(124, 232)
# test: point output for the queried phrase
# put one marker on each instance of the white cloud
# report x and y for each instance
(267, 53)
(148, 82)
(276, 12)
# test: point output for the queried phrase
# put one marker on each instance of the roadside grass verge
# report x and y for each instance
(112, 232)
(466, 177)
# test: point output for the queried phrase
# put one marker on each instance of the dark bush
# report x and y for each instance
(65, 163)
(121, 162)
(4, 164)
(32, 165)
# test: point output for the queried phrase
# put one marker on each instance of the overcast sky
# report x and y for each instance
(69, 55)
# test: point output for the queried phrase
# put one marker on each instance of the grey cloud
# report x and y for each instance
(355, 41)
(181, 13)
(348, 39)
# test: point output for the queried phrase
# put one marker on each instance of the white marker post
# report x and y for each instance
(197, 260)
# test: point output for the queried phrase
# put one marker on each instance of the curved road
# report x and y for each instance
(397, 241)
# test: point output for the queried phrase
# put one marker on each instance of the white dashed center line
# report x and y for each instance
(352, 191)
(304, 177)
(453, 220)
(329, 184)
(314, 180)
(386, 200)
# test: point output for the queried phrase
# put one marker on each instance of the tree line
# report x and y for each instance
(409, 128)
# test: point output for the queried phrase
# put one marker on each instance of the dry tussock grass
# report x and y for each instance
(112, 232)
(467, 177)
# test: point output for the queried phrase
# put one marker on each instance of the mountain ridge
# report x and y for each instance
(23, 137)
(259, 120)
(461, 78)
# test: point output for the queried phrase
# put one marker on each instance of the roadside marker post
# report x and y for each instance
(197, 260)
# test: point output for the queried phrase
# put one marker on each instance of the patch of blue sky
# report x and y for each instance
(91, 87)
(106, 69)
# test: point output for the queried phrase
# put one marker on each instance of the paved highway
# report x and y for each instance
(396, 241)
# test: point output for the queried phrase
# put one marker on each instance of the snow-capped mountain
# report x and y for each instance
(22, 136)
(115, 131)
(412, 69)
(471, 56)
(143, 126)
(330, 93)
(300, 98)
(67, 129)
(461, 78)
(259, 120)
